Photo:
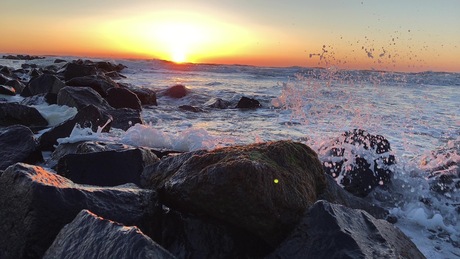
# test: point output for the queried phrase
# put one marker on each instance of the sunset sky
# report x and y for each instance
(410, 35)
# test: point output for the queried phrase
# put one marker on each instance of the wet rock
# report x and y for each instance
(4, 79)
(125, 118)
(35, 204)
(123, 98)
(217, 103)
(261, 188)
(106, 168)
(16, 84)
(18, 144)
(80, 97)
(58, 60)
(190, 108)
(114, 75)
(176, 91)
(6, 71)
(335, 231)
(362, 161)
(89, 235)
(35, 72)
(248, 103)
(7, 90)
(74, 69)
(22, 57)
(89, 116)
(145, 95)
(44, 84)
(99, 83)
(14, 113)
(107, 66)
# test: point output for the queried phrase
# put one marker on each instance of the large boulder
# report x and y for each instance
(89, 236)
(335, 231)
(89, 116)
(176, 91)
(106, 168)
(101, 84)
(14, 113)
(262, 188)
(79, 97)
(125, 118)
(248, 103)
(123, 98)
(16, 84)
(107, 66)
(360, 160)
(74, 69)
(145, 95)
(43, 84)
(35, 204)
(18, 144)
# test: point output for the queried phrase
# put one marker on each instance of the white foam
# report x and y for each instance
(56, 114)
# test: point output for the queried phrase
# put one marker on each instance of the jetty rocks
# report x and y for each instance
(265, 200)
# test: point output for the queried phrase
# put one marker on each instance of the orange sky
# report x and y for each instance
(356, 34)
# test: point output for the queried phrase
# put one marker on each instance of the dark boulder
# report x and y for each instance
(74, 69)
(362, 161)
(43, 84)
(176, 91)
(16, 84)
(335, 231)
(14, 113)
(262, 188)
(99, 83)
(89, 116)
(248, 103)
(80, 97)
(4, 79)
(18, 144)
(7, 90)
(123, 98)
(114, 75)
(145, 95)
(58, 60)
(6, 71)
(107, 66)
(89, 236)
(190, 108)
(35, 72)
(106, 168)
(35, 204)
(125, 118)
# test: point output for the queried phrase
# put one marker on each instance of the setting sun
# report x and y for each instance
(178, 56)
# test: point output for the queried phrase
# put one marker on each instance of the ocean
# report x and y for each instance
(419, 113)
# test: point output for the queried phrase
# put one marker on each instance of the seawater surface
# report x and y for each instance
(419, 113)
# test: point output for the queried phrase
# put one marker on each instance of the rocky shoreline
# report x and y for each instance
(109, 200)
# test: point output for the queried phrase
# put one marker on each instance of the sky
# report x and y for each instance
(409, 35)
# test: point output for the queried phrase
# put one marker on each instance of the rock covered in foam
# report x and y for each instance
(125, 118)
(35, 204)
(18, 144)
(14, 113)
(359, 161)
(262, 188)
(89, 235)
(335, 231)
(106, 168)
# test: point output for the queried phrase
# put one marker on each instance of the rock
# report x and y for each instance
(14, 113)
(35, 204)
(106, 168)
(58, 60)
(114, 75)
(7, 90)
(22, 57)
(89, 235)
(99, 83)
(79, 97)
(18, 144)
(123, 98)
(335, 231)
(89, 116)
(35, 72)
(145, 95)
(44, 84)
(262, 188)
(6, 71)
(362, 161)
(176, 91)
(190, 108)
(125, 118)
(73, 70)
(16, 84)
(248, 103)
(4, 79)
(217, 103)
(106, 66)
(333, 193)
(34, 100)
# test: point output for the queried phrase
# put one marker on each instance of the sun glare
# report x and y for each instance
(178, 56)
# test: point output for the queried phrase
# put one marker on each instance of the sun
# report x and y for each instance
(178, 56)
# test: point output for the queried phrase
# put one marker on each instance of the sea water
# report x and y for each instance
(419, 113)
